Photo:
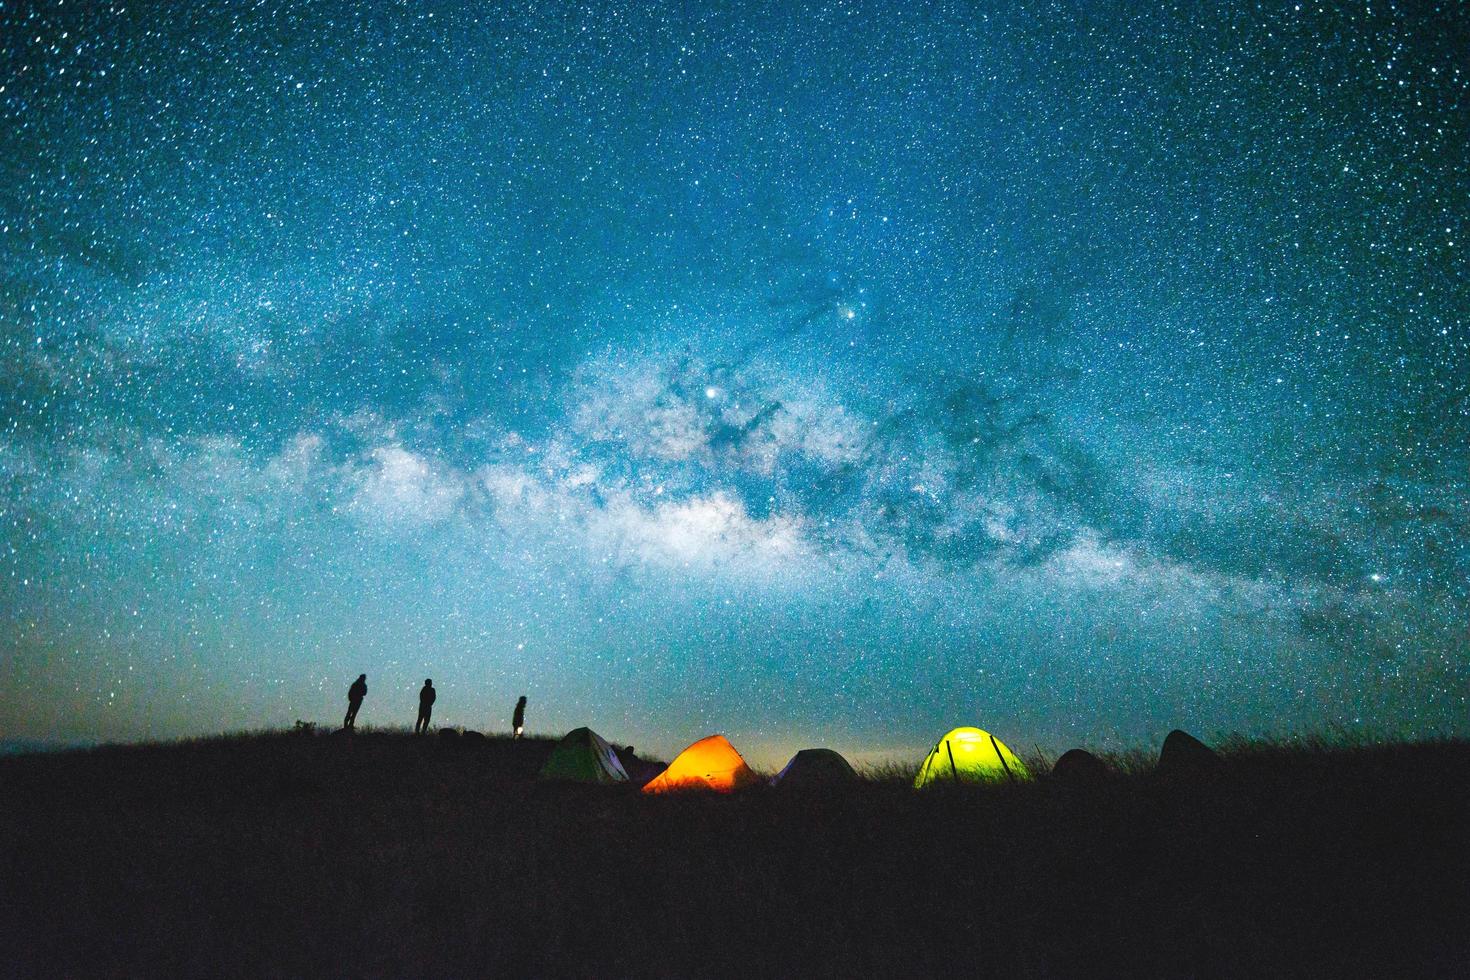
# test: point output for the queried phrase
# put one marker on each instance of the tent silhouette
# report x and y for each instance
(584, 756)
(1079, 764)
(815, 767)
(969, 755)
(1183, 753)
(710, 763)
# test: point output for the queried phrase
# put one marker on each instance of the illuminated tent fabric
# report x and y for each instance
(815, 767)
(710, 763)
(583, 756)
(968, 755)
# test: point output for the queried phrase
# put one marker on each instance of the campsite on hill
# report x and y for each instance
(383, 855)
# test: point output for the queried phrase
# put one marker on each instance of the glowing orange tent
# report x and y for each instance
(710, 763)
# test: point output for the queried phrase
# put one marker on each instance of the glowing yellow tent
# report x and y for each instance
(710, 763)
(968, 755)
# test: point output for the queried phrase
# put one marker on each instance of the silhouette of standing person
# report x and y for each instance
(518, 719)
(426, 706)
(355, 694)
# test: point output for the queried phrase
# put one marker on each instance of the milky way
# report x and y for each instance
(817, 374)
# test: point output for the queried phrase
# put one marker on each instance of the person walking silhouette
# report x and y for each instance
(355, 694)
(426, 706)
(518, 718)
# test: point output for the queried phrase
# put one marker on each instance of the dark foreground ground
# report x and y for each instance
(384, 855)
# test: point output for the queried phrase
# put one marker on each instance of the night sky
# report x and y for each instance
(820, 374)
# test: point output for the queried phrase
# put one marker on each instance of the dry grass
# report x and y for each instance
(385, 855)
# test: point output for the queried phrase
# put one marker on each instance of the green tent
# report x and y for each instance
(969, 755)
(585, 757)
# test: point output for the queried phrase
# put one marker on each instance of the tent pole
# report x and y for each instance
(1002, 759)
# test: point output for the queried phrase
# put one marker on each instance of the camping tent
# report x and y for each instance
(1183, 753)
(1079, 764)
(815, 767)
(582, 755)
(710, 763)
(969, 755)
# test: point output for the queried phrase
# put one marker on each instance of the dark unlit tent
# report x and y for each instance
(1079, 764)
(815, 767)
(584, 756)
(1183, 753)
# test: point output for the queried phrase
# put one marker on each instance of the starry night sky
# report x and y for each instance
(828, 374)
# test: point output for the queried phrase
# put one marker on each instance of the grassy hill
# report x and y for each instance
(382, 854)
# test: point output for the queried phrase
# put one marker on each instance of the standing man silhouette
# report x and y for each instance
(518, 718)
(355, 694)
(426, 706)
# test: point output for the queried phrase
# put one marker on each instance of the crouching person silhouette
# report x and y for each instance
(426, 706)
(355, 694)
